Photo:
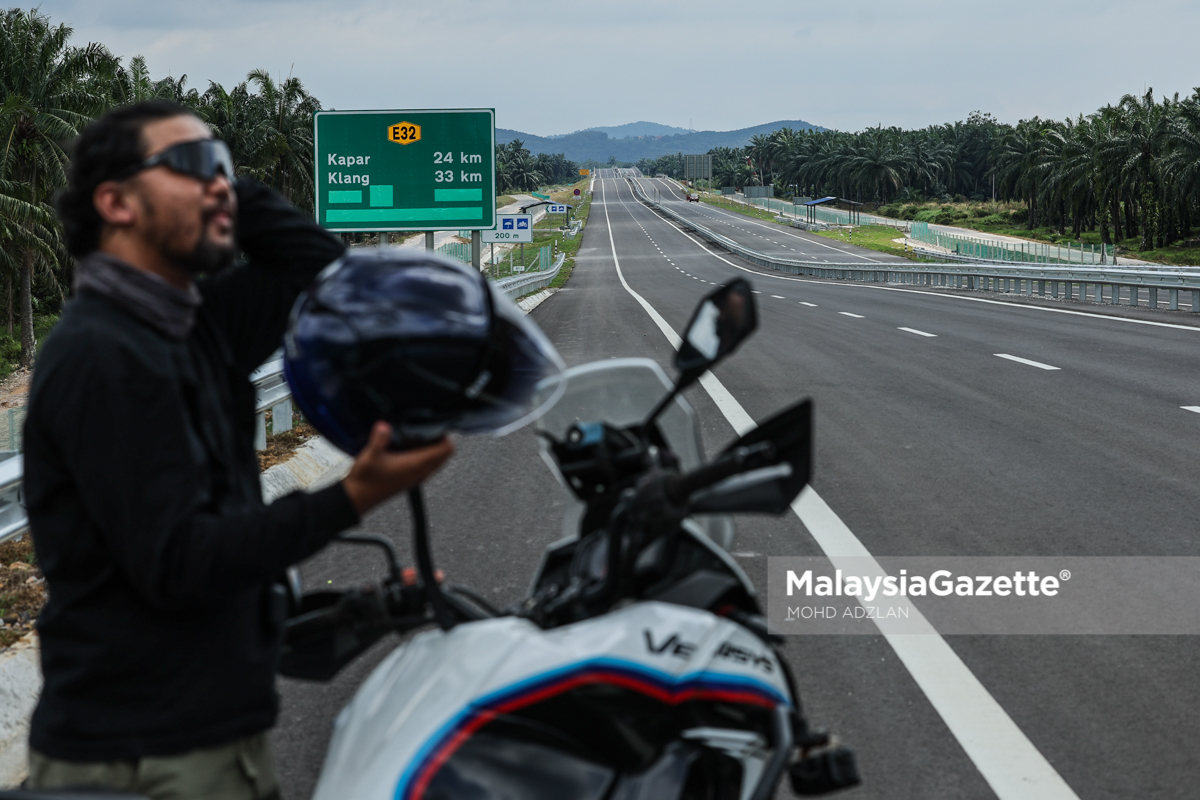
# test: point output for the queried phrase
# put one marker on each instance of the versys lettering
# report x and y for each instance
(743, 656)
(673, 646)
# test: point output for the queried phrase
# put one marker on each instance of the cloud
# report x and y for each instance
(552, 67)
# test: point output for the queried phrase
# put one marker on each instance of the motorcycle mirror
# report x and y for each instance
(722, 321)
(719, 324)
(769, 488)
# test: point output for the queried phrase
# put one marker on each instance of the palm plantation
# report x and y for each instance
(50, 90)
(1129, 170)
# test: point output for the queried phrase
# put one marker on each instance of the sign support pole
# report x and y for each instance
(476, 249)
(429, 240)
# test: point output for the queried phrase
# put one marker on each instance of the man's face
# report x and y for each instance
(189, 221)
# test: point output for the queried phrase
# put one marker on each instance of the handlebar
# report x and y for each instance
(679, 488)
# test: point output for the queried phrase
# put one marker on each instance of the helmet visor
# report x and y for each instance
(522, 376)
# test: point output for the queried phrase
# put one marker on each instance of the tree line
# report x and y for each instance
(50, 90)
(519, 170)
(1129, 170)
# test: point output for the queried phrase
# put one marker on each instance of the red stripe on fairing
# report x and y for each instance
(481, 718)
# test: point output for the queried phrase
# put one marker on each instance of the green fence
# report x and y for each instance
(1025, 252)
(11, 422)
(517, 261)
(829, 216)
(459, 251)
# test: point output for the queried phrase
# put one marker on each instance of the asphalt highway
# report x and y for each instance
(765, 237)
(938, 433)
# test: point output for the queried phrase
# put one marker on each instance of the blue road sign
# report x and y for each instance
(522, 224)
(508, 224)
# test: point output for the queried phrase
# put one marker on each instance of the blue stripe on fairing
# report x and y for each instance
(715, 680)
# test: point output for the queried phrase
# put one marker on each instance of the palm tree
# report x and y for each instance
(1138, 148)
(288, 131)
(523, 172)
(1015, 163)
(48, 92)
(1182, 165)
(26, 228)
(876, 163)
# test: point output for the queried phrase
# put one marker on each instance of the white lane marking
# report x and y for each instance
(1003, 754)
(918, 333)
(778, 297)
(810, 305)
(848, 314)
(1020, 360)
(1191, 408)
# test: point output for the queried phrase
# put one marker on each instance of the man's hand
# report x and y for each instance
(379, 473)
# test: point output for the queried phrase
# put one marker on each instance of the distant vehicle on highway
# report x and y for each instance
(693, 198)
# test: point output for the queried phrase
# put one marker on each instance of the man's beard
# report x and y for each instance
(205, 257)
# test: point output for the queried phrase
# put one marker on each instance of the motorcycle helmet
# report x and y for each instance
(420, 341)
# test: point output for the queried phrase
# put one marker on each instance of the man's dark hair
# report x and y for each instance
(108, 146)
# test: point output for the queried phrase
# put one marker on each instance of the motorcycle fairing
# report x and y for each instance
(611, 672)
(441, 687)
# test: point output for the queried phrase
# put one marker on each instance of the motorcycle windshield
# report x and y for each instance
(622, 392)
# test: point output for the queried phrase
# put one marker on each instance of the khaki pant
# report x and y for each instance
(241, 770)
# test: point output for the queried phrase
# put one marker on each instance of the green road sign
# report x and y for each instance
(408, 170)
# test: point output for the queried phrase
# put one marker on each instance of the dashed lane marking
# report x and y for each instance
(848, 314)
(1020, 360)
(919, 333)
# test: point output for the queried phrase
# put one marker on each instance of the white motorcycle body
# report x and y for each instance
(409, 732)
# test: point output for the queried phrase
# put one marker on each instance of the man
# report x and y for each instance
(161, 634)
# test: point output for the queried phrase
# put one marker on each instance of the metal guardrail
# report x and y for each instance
(13, 520)
(271, 391)
(521, 285)
(1104, 284)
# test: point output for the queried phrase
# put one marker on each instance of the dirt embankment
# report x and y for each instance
(22, 590)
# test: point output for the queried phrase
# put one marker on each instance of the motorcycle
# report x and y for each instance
(638, 665)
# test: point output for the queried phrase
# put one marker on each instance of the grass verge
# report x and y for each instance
(1011, 219)
(872, 237)
(739, 208)
(571, 246)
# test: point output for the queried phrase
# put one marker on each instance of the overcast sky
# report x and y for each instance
(555, 67)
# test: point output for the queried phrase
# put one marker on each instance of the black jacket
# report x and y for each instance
(161, 633)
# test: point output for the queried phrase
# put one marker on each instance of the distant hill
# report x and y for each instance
(597, 145)
(633, 129)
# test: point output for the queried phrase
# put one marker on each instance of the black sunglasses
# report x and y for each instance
(201, 159)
